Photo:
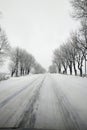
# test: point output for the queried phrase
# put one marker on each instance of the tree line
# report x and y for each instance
(21, 62)
(72, 53)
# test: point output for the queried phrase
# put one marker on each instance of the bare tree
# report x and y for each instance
(57, 60)
(15, 60)
(79, 60)
(4, 45)
(73, 50)
(83, 39)
(12, 68)
(60, 59)
(78, 51)
(80, 8)
(64, 57)
(29, 63)
(21, 62)
(71, 53)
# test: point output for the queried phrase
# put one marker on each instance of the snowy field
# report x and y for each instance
(47, 101)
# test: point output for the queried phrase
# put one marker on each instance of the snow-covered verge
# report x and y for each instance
(4, 76)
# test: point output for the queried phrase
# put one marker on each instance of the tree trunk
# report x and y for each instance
(12, 73)
(16, 73)
(59, 68)
(65, 69)
(70, 67)
(21, 71)
(16, 67)
(80, 71)
(28, 71)
(80, 64)
(85, 65)
(74, 66)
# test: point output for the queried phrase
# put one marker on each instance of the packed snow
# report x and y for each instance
(45, 101)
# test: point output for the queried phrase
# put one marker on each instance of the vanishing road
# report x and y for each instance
(46, 101)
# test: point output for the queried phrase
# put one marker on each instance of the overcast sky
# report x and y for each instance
(39, 26)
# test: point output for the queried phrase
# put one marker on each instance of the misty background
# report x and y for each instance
(39, 26)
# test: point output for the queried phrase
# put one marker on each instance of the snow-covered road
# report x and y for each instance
(47, 101)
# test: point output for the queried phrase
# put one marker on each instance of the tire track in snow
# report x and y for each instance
(29, 116)
(3, 103)
(70, 118)
(16, 114)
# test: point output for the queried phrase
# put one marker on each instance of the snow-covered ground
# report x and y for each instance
(47, 101)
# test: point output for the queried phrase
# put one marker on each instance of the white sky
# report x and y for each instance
(39, 26)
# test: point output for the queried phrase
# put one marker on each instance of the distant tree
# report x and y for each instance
(21, 62)
(64, 57)
(53, 68)
(68, 55)
(12, 68)
(57, 60)
(29, 63)
(73, 50)
(38, 69)
(15, 60)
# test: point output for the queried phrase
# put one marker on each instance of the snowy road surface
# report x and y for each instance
(47, 101)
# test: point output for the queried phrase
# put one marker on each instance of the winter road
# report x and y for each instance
(47, 101)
